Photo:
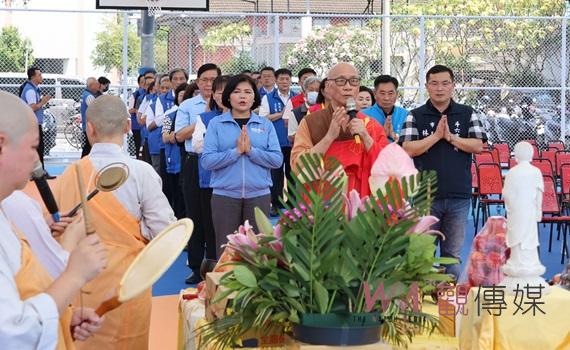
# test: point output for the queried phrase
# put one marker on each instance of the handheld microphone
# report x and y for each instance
(351, 111)
(39, 177)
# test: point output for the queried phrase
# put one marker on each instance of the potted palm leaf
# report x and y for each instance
(337, 269)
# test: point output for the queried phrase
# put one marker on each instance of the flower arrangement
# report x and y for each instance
(328, 250)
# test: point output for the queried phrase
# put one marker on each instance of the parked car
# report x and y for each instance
(56, 85)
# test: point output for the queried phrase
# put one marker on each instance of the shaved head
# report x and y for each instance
(16, 118)
(342, 68)
(108, 115)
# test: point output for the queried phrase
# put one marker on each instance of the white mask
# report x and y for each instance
(312, 97)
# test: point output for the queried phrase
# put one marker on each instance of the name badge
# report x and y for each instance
(258, 130)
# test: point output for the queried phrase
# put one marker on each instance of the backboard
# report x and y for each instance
(173, 5)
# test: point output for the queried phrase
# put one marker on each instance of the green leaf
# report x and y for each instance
(322, 296)
(263, 223)
(245, 276)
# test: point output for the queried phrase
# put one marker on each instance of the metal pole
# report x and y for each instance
(147, 40)
(125, 75)
(563, 81)
(422, 63)
(386, 65)
(276, 53)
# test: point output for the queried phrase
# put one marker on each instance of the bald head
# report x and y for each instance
(108, 115)
(342, 68)
(16, 118)
(342, 84)
(92, 84)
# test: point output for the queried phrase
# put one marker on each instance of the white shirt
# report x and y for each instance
(89, 99)
(264, 110)
(141, 194)
(292, 125)
(144, 105)
(288, 110)
(150, 116)
(159, 110)
(24, 212)
(24, 324)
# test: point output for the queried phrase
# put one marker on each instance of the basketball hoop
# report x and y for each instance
(154, 7)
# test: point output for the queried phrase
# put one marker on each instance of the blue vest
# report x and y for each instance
(275, 106)
(263, 92)
(137, 96)
(155, 136)
(172, 151)
(86, 93)
(398, 117)
(28, 85)
(203, 174)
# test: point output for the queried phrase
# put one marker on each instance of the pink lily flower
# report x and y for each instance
(424, 224)
(392, 162)
(353, 203)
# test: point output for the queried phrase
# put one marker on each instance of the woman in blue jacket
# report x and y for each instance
(240, 149)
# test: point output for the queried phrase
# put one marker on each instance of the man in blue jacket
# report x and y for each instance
(384, 110)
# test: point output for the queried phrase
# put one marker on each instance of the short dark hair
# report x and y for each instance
(367, 89)
(221, 81)
(267, 68)
(181, 87)
(103, 81)
(255, 72)
(189, 92)
(231, 86)
(385, 79)
(246, 71)
(176, 70)
(206, 67)
(31, 72)
(283, 71)
(321, 95)
(139, 79)
(439, 68)
(305, 71)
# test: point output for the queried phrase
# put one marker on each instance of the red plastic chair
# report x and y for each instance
(474, 188)
(484, 157)
(558, 145)
(490, 183)
(512, 162)
(504, 152)
(562, 157)
(552, 214)
(544, 166)
(550, 154)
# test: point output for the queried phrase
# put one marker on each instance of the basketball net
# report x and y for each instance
(154, 7)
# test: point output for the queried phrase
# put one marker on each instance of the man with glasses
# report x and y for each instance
(442, 135)
(354, 142)
(184, 125)
(385, 111)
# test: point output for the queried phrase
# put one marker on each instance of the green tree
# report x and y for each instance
(227, 33)
(507, 46)
(108, 53)
(325, 47)
(14, 51)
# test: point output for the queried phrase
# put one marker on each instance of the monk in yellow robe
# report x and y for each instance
(35, 312)
(125, 219)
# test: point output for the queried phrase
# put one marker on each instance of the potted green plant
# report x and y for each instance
(319, 273)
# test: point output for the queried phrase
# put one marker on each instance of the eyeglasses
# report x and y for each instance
(445, 83)
(342, 81)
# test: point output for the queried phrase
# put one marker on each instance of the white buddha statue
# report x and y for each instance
(522, 193)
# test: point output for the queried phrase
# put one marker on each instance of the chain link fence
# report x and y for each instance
(514, 70)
